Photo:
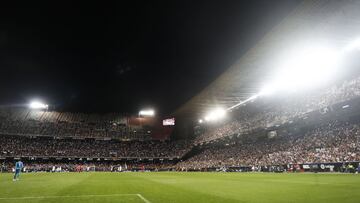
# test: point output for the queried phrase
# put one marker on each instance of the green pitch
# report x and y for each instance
(179, 187)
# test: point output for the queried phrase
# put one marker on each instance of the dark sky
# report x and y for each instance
(120, 57)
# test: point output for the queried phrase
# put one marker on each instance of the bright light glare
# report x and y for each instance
(38, 105)
(268, 90)
(147, 113)
(354, 45)
(215, 114)
(200, 121)
(305, 68)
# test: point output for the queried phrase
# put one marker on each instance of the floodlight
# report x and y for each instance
(304, 68)
(200, 121)
(268, 90)
(215, 114)
(252, 97)
(354, 45)
(148, 112)
(38, 105)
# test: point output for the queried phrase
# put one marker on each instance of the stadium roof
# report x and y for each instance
(124, 56)
(325, 22)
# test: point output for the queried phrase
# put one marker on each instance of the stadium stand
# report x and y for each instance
(265, 113)
(24, 146)
(257, 136)
(20, 121)
(91, 166)
(242, 142)
(334, 142)
(298, 131)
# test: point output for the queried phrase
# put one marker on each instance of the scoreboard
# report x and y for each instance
(169, 121)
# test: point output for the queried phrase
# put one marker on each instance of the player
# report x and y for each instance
(3, 167)
(18, 167)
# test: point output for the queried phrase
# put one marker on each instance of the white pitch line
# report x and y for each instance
(143, 198)
(75, 196)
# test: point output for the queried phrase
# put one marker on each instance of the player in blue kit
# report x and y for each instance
(18, 167)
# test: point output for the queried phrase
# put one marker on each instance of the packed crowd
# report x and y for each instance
(19, 113)
(330, 143)
(65, 129)
(22, 121)
(24, 146)
(90, 166)
(267, 112)
(24, 133)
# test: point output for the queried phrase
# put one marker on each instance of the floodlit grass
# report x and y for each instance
(179, 187)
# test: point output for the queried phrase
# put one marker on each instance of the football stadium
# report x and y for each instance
(180, 101)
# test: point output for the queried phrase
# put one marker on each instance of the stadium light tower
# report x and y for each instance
(148, 112)
(38, 105)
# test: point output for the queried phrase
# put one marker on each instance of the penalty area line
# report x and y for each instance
(143, 198)
(74, 196)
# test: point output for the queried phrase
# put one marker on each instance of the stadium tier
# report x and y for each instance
(299, 132)
(266, 113)
(45, 147)
(333, 142)
(21, 121)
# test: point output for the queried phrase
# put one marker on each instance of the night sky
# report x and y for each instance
(123, 56)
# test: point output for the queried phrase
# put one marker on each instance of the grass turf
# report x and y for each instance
(179, 187)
